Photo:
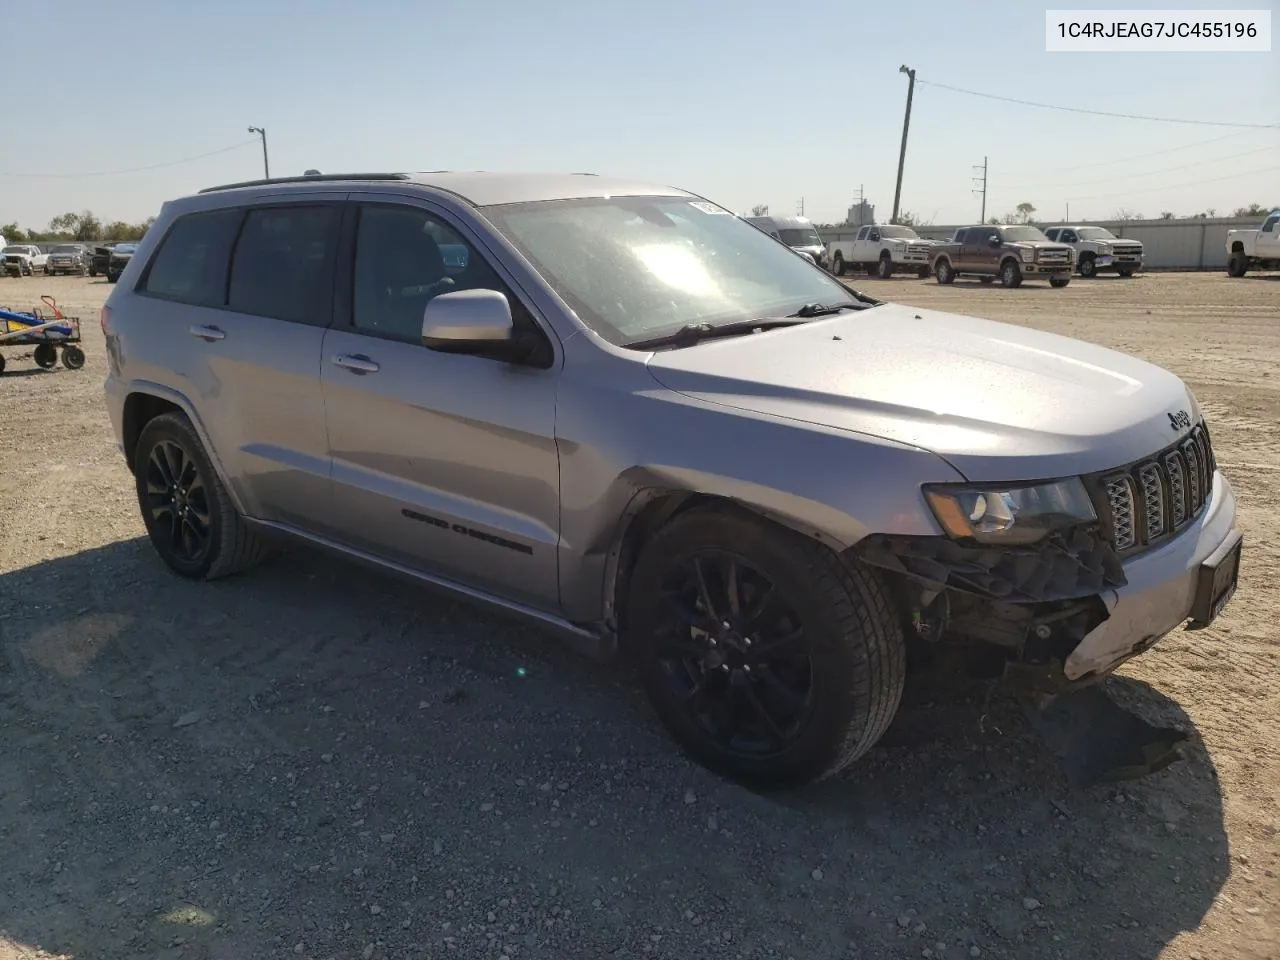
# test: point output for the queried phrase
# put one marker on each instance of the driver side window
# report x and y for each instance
(404, 257)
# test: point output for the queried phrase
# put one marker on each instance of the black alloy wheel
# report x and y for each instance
(177, 508)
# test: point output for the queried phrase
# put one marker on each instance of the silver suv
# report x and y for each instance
(622, 412)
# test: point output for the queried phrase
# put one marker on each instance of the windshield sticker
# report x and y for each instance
(708, 207)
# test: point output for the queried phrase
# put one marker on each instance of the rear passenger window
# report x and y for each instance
(191, 265)
(281, 264)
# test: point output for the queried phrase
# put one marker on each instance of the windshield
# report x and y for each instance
(1022, 233)
(65, 248)
(800, 237)
(12, 249)
(900, 233)
(1096, 233)
(634, 268)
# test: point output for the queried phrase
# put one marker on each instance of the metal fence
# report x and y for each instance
(1167, 244)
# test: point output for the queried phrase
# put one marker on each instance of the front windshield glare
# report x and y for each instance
(1023, 233)
(634, 268)
(1096, 233)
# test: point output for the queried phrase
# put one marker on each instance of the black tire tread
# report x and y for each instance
(864, 612)
(239, 546)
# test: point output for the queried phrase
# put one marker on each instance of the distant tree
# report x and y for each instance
(1252, 210)
(996, 220)
(1126, 214)
(760, 210)
(1166, 214)
(13, 233)
(909, 218)
(1211, 212)
(1025, 210)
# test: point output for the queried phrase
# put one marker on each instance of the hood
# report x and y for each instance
(1038, 244)
(999, 402)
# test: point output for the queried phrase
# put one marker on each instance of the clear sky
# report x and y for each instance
(756, 101)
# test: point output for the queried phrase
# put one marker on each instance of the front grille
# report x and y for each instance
(1153, 499)
(1053, 256)
(1126, 251)
(917, 250)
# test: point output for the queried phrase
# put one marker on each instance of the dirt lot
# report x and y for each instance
(312, 761)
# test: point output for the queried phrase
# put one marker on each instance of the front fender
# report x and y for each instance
(620, 449)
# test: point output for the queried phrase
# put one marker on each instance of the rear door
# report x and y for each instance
(977, 253)
(444, 462)
(244, 294)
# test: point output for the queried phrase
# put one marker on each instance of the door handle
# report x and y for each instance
(356, 364)
(207, 333)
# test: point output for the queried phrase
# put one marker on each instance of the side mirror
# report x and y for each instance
(874, 235)
(467, 321)
(993, 241)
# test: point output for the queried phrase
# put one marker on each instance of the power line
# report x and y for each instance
(1145, 156)
(154, 166)
(1176, 186)
(1103, 113)
(1146, 173)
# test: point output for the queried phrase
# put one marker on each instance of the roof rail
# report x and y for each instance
(307, 178)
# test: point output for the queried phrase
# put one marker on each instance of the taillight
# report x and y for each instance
(103, 317)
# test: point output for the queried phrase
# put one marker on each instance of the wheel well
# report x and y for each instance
(1087, 255)
(139, 410)
(1013, 260)
(1237, 246)
(885, 255)
(652, 517)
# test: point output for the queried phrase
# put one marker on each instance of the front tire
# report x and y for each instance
(45, 355)
(884, 267)
(945, 272)
(1010, 274)
(768, 659)
(72, 357)
(1238, 264)
(1059, 281)
(1088, 266)
(188, 514)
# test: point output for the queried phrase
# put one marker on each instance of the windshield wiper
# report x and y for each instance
(825, 309)
(696, 332)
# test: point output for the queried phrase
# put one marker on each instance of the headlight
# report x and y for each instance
(1104, 249)
(1011, 515)
(1027, 254)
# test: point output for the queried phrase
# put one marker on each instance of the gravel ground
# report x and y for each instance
(312, 761)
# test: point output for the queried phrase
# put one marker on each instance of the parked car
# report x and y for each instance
(68, 258)
(798, 233)
(22, 259)
(101, 256)
(1098, 250)
(119, 259)
(1254, 249)
(880, 249)
(632, 418)
(1011, 253)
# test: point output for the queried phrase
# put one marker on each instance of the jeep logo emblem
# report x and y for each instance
(1180, 420)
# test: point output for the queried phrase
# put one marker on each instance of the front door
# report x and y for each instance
(444, 462)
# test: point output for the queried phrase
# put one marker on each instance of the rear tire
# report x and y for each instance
(1237, 264)
(1010, 274)
(45, 355)
(944, 271)
(828, 652)
(188, 514)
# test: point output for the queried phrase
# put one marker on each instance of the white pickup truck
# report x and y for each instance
(1258, 248)
(23, 259)
(880, 249)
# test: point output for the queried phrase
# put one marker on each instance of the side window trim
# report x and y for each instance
(344, 305)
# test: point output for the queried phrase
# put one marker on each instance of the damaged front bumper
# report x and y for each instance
(1065, 612)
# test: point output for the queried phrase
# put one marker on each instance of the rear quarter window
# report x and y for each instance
(191, 264)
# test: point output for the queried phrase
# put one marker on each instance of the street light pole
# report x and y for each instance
(266, 167)
(902, 153)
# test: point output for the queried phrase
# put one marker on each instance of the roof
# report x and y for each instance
(482, 188)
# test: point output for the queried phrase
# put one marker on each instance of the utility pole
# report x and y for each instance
(902, 152)
(800, 207)
(983, 189)
(266, 167)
